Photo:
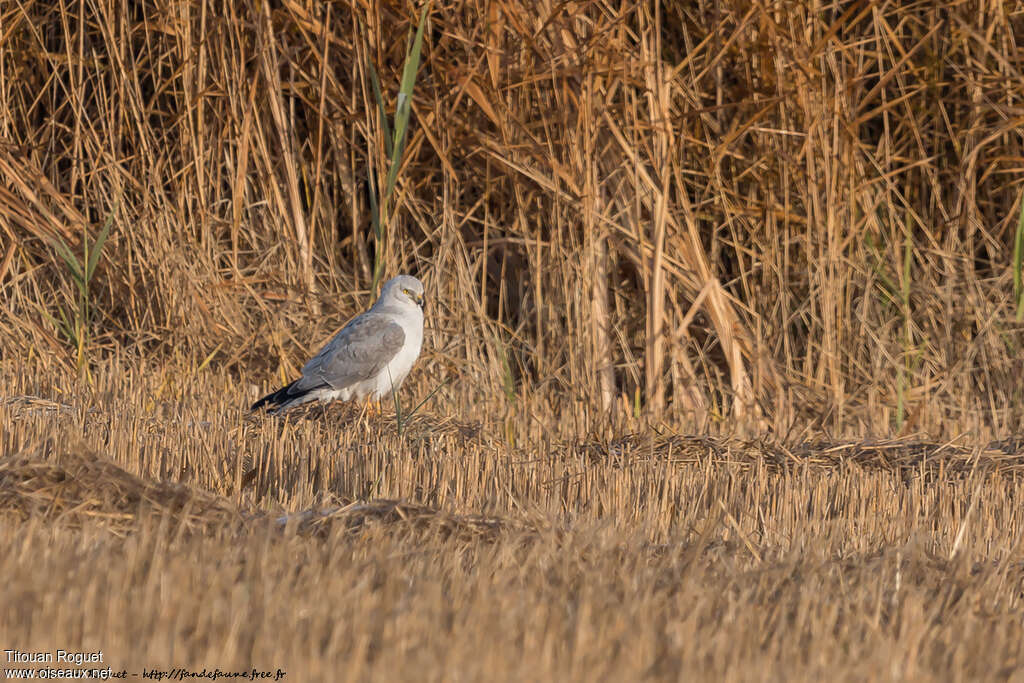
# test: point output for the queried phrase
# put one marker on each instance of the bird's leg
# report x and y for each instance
(371, 408)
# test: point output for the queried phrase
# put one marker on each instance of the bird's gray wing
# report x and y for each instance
(357, 353)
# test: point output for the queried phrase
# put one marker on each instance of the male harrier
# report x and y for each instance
(372, 354)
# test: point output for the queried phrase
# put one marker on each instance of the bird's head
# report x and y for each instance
(403, 289)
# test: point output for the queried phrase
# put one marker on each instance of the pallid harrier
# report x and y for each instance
(374, 352)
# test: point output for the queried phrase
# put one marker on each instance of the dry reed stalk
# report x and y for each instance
(660, 123)
(271, 72)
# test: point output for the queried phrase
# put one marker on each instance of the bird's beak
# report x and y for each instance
(421, 302)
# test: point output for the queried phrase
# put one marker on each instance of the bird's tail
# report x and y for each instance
(279, 400)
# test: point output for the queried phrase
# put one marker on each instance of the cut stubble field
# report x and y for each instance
(151, 508)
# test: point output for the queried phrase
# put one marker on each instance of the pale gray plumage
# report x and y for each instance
(369, 356)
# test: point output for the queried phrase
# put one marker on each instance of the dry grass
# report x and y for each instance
(787, 228)
(183, 532)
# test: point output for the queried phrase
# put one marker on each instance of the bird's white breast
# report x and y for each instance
(398, 368)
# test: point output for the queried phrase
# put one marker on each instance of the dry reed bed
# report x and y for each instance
(730, 215)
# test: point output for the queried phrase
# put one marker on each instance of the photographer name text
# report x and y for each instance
(57, 657)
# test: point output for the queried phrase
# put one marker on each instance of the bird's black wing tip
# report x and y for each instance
(259, 404)
(273, 400)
